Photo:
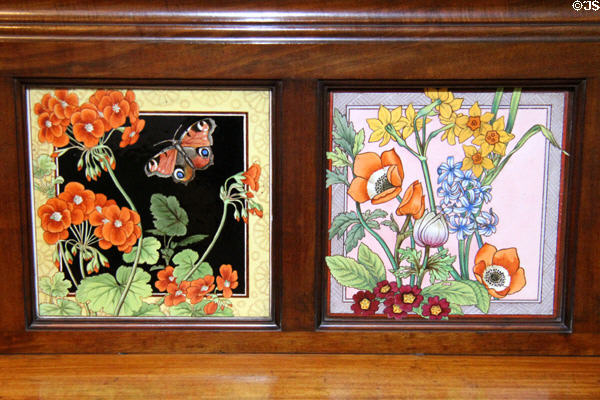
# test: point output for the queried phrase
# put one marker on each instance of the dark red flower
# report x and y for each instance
(393, 307)
(364, 303)
(385, 289)
(96, 218)
(120, 227)
(228, 280)
(408, 297)
(436, 308)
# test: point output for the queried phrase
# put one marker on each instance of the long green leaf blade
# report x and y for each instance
(496, 103)
(514, 106)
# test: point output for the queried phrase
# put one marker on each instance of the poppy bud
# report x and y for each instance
(211, 308)
(431, 230)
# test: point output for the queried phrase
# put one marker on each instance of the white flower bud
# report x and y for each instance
(431, 230)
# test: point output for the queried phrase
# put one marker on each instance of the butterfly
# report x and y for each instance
(191, 152)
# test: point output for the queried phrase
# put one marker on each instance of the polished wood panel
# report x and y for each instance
(297, 376)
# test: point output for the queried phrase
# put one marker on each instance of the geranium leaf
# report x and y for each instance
(55, 286)
(188, 310)
(62, 307)
(439, 265)
(185, 261)
(372, 261)
(350, 273)
(481, 294)
(191, 240)
(226, 312)
(149, 253)
(338, 158)
(354, 236)
(169, 217)
(148, 310)
(453, 291)
(44, 165)
(104, 291)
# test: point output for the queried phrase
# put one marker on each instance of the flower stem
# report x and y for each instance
(427, 178)
(461, 259)
(376, 236)
(479, 240)
(424, 267)
(211, 245)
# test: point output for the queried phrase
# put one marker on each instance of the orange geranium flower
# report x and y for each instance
(228, 280)
(96, 218)
(251, 177)
(210, 308)
(413, 202)
(131, 134)
(256, 211)
(51, 130)
(120, 227)
(200, 288)
(63, 105)
(378, 179)
(43, 107)
(134, 107)
(115, 108)
(176, 293)
(499, 270)
(79, 200)
(56, 220)
(165, 278)
(88, 128)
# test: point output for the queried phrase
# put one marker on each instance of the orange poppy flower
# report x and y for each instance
(228, 280)
(210, 308)
(251, 177)
(51, 131)
(131, 134)
(134, 107)
(63, 105)
(413, 202)
(96, 218)
(115, 108)
(378, 179)
(176, 293)
(56, 220)
(165, 278)
(43, 107)
(200, 288)
(88, 128)
(79, 200)
(499, 270)
(120, 227)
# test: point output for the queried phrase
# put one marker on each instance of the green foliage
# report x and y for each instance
(481, 295)
(514, 107)
(185, 261)
(341, 223)
(55, 286)
(61, 308)
(343, 132)
(338, 158)
(333, 178)
(359, 142)
(193, 239)
(149, 253)
(391, 223)
(348, 272)
(169, 218)
(455, 292)
(439, 265)
(369, 259)
(43, 166)
(353, 237)
(148, 310)
(104, 291)
(197, 310)
(413, 256)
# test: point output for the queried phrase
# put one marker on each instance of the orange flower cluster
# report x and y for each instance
(105, 110)
(76, 204)
(250, 178)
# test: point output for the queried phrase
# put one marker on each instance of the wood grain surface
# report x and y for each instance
(170, 376)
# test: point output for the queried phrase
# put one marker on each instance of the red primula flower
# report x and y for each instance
(56, 220)
(176, 293)
(385, 289)
(96, 218)
(165, 278)
(88, 128)
(79, 200)
(63, 105)
(200, 288)
(364, 303)
(436, 308)
(228, 280)
(120, 227)
(51, 131)
(393, 307)
(408, 297)
(251, 177)
(131, 134)
(115, 108)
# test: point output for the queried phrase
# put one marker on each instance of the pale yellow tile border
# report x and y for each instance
(257, 105)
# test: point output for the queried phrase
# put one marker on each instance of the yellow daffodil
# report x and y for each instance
(385, 118)
(457, 131)
(493, 138)
(410, 124)
(449, 104)
(476, 160)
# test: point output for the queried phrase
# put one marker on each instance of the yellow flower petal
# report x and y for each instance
(449, 136)
(475, 111)
(410, 112)
(386, 139)
(456, 103)
(477, 170)
(444, 95)
(487, 117)
(479, 140)
(377, 135)
(385, 116)
(498, 124)
(486, 149)
(396, 115)
(432, 94)
(487, 163)
(505, 137)
(445, 110)
(461, 120)
(469, 150)
(375, 124)
(500, 148)
(467, 163)
(464, 134)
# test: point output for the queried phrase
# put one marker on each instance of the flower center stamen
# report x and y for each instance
(227, 284)
(408, 298)
(63, 104)
(48, 123)
(118, 223)
(492, 137)
(382, 184)
(435, 310)
(77, 199)
(89, 127)
(178, 293)
(385, 289)
(132, 134)
(116, 108)
(171, 278)
(365, 304)
(56, 216)
(204, 288)
(396, 309)
(474, 123)
(477, 158)
(496, 277)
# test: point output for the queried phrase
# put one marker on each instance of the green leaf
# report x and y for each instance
(514, 107)
(350, 273)
(343, 132)
(62, 307)
(496, 103)
(453, 291)
(226, 312)
(149, 253)
(354, 236)
(44, 165)
(391, 223)
(157, 267)
(427, 109)
(338, 158)
(169, 217)
(439, 265)
(185, 261)
(413, 256)
(375, 214)
(481, 295)
(371, 261)
(104, 291)
(56, 286)
(148, 310)
(341, 223)
(359, 142)
(155, 232)
(333, 178)
(191, 240)
(189, 310)
(455, 309)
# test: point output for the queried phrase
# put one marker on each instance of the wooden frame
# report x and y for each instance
(296, 49)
